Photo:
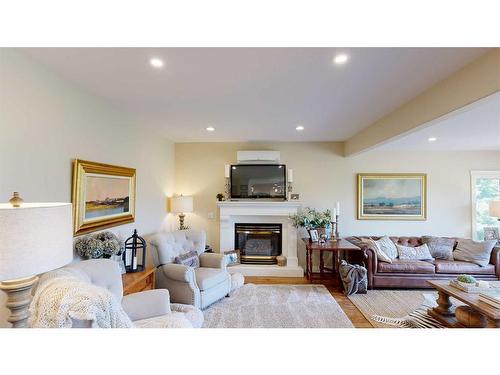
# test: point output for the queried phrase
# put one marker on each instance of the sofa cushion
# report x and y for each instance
(406, 266)
(207, 278)
(440, 247)
(414, 252)
(474, 251)
(459, 267)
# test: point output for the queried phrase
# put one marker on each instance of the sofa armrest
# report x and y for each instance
(213, 260)
(495, 260)
(147, 304)
(178, 272)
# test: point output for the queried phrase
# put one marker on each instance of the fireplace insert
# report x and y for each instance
(258, 243)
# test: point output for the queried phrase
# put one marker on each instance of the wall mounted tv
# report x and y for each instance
(254, 181)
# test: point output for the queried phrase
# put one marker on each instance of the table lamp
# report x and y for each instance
(495, 209)
(34, 238)
(182, 205)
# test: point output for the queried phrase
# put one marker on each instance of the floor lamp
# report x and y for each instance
(34, 238)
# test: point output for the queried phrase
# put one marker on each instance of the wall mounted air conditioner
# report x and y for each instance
(258, 157)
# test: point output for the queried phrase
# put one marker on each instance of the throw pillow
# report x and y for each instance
(474, 252)
(388, 247)
(381, 256)
(414, 253)
(440, 248)
(189, 259)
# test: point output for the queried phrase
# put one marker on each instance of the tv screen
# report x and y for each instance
(258, 181)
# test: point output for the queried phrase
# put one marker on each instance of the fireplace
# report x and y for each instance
(258, 243)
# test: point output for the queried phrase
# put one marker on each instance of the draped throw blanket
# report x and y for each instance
(353, 277)
(65, 295)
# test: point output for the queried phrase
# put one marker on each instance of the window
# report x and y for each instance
(485, 188)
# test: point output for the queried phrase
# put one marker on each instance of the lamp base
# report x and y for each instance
(18, 299)
(181, 222)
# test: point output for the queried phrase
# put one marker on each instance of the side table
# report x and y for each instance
(138, 281)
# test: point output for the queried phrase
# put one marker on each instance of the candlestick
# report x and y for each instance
(337, 232)
(338, 208)
(290, 175)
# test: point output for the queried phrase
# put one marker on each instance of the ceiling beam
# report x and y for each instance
(471, 83)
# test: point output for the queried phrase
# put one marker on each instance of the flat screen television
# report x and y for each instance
(253, 181)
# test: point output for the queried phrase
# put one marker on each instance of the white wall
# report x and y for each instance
(45, 122)
(323, 176)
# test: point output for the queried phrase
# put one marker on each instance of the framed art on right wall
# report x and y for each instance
(392, 196)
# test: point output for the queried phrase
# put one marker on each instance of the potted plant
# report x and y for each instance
(220, 197)
(309, 218)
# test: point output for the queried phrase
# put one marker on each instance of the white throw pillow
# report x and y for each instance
(414, 253)
(381, 256)
(388, 247)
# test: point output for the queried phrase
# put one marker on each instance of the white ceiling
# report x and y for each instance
(474, 127)
(256, 94)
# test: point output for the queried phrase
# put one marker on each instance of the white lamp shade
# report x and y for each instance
(182, 204)
(495, 209)
(34, 238)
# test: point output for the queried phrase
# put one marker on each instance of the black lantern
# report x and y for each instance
(134, 254)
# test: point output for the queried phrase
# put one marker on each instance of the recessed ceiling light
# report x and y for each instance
(340, 59)
(156, 62)
(299, 128)
(210, 129)
(432, 139)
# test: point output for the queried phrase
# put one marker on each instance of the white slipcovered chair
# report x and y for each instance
(148, 309)
(200, 286)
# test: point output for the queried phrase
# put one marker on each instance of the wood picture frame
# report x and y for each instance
(392, 196)
(103, 196)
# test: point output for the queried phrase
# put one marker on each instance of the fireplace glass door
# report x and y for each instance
(258, 243)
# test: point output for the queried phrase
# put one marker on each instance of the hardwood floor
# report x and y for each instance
(357, 319)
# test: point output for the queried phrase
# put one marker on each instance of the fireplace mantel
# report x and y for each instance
(232, 212)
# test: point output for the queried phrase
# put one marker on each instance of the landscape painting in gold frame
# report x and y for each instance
(103, 196)
(392, 196)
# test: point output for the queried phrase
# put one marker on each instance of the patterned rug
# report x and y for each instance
(398, 308)
(277, 306)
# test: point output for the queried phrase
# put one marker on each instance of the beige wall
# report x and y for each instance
(322, 176)
(45, 122)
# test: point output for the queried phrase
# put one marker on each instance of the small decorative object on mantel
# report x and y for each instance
(16, 200)
(220, 197)
(134, 254)
(227, 177)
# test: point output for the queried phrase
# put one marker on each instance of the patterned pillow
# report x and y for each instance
(474, 252)
(414, 253)
(440, 248)
(381, 256)
(388, 247)
(189, 259)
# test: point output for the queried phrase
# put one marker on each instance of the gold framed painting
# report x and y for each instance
(103, 196)
(392, 196)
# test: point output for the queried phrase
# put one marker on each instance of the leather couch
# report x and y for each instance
(415, 273)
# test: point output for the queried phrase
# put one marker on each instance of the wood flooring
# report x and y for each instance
(354, 315)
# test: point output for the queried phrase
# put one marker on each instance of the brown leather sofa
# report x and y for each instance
(415, 273)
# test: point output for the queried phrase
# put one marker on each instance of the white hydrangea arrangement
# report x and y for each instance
(98, 245)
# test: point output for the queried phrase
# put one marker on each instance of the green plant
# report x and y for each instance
(310, 218)
(219, 196)
(466, 279)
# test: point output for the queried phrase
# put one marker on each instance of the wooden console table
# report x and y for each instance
(138, 281)
(337, 247)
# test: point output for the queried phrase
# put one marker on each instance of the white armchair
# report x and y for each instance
(151, 308)
(200, 286)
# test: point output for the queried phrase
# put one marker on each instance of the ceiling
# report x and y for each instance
(474, 127)
(256, 94)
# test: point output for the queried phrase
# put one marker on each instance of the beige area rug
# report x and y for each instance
(277, 306)
(392, 303)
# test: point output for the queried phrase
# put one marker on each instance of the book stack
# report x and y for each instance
(491, 297)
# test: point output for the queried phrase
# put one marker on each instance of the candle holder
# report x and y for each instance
(337, 233)
(228, 189)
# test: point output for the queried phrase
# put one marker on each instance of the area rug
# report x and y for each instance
(277, 306)
(397, 308)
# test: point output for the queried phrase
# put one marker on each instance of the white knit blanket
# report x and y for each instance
(66, 294)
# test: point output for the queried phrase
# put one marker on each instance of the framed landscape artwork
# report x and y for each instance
(103, 196)
(392, 196)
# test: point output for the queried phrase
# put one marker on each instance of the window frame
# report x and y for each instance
(474, 176)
